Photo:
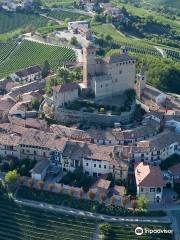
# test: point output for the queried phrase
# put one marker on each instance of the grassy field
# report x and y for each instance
(25, 223)
(32, 53)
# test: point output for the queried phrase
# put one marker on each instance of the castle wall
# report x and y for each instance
(70, 116)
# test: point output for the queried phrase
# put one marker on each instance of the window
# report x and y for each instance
(94, 165)
(34, 152)
(87, 173)
(104, 166)
(152, 189)
(99, 165)
(142, 189)
(44, 154)
(94, 174)
(120, 72)
(87, 164)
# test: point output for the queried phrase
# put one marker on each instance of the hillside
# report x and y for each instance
(165, 3)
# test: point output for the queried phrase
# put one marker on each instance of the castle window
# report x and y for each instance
(120, 64)
(120, 72)
(126, 62)
(101, 86)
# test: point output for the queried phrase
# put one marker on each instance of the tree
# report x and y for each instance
(35, 104)
(64, 74)
(41, 185)
(62, 188)
(91, 195)
(11, 177)
(124, 201)
(105, 229)
(81, 192)
(46, 68)
(103, 197)
(142, 202)
(74, 41)
(112, 200)
(30, 182)
(71, 191)
(134, 204)
(50, 186)
(21, 180)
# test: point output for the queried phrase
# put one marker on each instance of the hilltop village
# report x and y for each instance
(132, 156)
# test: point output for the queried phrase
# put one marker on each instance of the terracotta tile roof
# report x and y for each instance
(9, 139)
(120, 190)
(102, 184)
(6, 104)
(29, 123)
(160, 141)
(39, 138)
(65, 87)
(148, 175)
(104, 153)
(28, 71)
(175, 169)
(11, 128)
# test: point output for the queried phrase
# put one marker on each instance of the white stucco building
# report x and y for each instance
(149, 182)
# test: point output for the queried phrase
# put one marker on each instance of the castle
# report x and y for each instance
(108, 76)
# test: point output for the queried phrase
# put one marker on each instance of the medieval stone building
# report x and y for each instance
(108, 76)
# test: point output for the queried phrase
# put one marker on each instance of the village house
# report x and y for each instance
(9, 145)
(149, 182)
(27, 75)
(16, 93)
(175, 171)
(80, 27)
(6, 103)
(39, 171)
(65, 93)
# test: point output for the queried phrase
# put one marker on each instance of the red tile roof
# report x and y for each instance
(148, 175)
(175, 169)
(65, 87)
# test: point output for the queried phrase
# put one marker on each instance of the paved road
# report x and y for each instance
(175, 218)
(107, 218)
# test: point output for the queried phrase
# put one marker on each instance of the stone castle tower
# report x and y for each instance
(141, 82)
(89, 65)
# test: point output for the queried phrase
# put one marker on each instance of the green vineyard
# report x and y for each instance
(10, 21)
(22, 223)
(62, 15)
(126, 232)
(32, 53)
(6, 49)
(18, 222)
(57, 3)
